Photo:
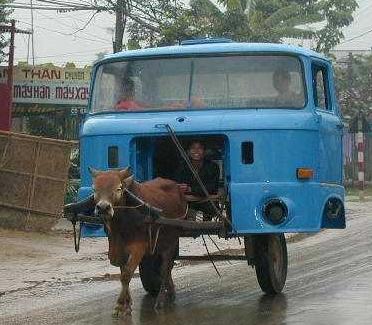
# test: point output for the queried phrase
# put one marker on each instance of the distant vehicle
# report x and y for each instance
(268, 114)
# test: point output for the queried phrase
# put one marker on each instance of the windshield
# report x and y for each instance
(199, 83)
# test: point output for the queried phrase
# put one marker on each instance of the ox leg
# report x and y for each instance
(167, 291)
(171, 288)
(124, 303)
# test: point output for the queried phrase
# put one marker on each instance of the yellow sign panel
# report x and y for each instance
(49, 85)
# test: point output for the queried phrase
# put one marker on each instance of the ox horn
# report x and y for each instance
(125, 173)
(93, 172)
(128, 181)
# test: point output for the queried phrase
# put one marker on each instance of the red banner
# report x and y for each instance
(5, 104)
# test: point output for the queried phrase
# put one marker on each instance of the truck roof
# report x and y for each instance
(213, 48)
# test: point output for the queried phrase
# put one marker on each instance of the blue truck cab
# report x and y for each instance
(268, 114)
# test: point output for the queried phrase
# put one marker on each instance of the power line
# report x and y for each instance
(67, 25)
(65, 34)
(68, 53)
(357, 36)
(50, 3)
(85, 62)
(64, 16)
(61, 8)
(62, 3)
(53, 8)
(363, 11)
(86, 24)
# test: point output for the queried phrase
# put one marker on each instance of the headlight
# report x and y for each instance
(275, 211)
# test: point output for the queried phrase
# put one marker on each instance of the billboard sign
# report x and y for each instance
(49, 85)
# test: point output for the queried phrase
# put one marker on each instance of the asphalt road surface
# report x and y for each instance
(329, 282)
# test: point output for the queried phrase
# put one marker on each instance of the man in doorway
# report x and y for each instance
(208, 172)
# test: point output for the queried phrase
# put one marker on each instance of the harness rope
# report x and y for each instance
(195, 174)
(152, 244)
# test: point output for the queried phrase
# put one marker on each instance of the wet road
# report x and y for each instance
(329, 282)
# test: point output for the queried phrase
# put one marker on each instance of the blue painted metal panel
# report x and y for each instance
(215, 48)
(198, 121)
(283, 139)
(330, 133)
(305, 202)
(277, 155)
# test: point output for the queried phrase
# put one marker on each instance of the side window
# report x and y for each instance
(321, 92)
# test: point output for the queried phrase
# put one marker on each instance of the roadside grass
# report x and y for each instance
(354, 191)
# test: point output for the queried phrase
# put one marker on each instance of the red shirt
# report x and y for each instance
(126, 105)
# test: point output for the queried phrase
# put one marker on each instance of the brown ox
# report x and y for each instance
(128, 234)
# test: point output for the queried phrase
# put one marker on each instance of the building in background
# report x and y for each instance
(48, 100)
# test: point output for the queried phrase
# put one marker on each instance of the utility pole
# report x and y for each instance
(11, 54)
(7, 90)
(32, 34)
(119, 26)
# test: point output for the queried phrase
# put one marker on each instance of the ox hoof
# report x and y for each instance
(159, 305)
(171, 296)
(162, 302)
(120, 311)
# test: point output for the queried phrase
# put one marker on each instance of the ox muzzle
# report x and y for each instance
(104, 210)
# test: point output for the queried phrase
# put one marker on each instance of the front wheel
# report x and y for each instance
(271, 262)
(149, 271)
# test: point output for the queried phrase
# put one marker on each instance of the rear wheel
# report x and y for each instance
(271, 262)
(149, 271)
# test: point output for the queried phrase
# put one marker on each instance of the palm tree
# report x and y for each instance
(273, 20)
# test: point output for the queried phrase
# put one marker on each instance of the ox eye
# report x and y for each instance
(119, 189)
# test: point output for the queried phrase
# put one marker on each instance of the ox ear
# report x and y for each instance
(93, 172)
(128, 181)
(125, 173)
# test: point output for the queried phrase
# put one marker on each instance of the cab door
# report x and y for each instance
(330, 123)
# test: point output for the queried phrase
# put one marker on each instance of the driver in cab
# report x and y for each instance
(128, 101)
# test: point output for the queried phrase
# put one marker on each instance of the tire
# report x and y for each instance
(149, 270)
(271, 262)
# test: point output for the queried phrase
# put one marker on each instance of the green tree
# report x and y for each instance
(144, 20)
(354, 86)
(152, 20)
(4, 15)
(257, 21)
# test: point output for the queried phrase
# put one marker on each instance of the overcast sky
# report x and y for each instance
(57, 39)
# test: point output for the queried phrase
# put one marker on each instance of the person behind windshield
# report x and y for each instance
(128, 99)
(282, 84)
(209, 174)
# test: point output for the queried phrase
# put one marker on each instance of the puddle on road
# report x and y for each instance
(346, 304)
(266, 310)
(342, 304)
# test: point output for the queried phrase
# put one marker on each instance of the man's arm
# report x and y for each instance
(182, 177)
